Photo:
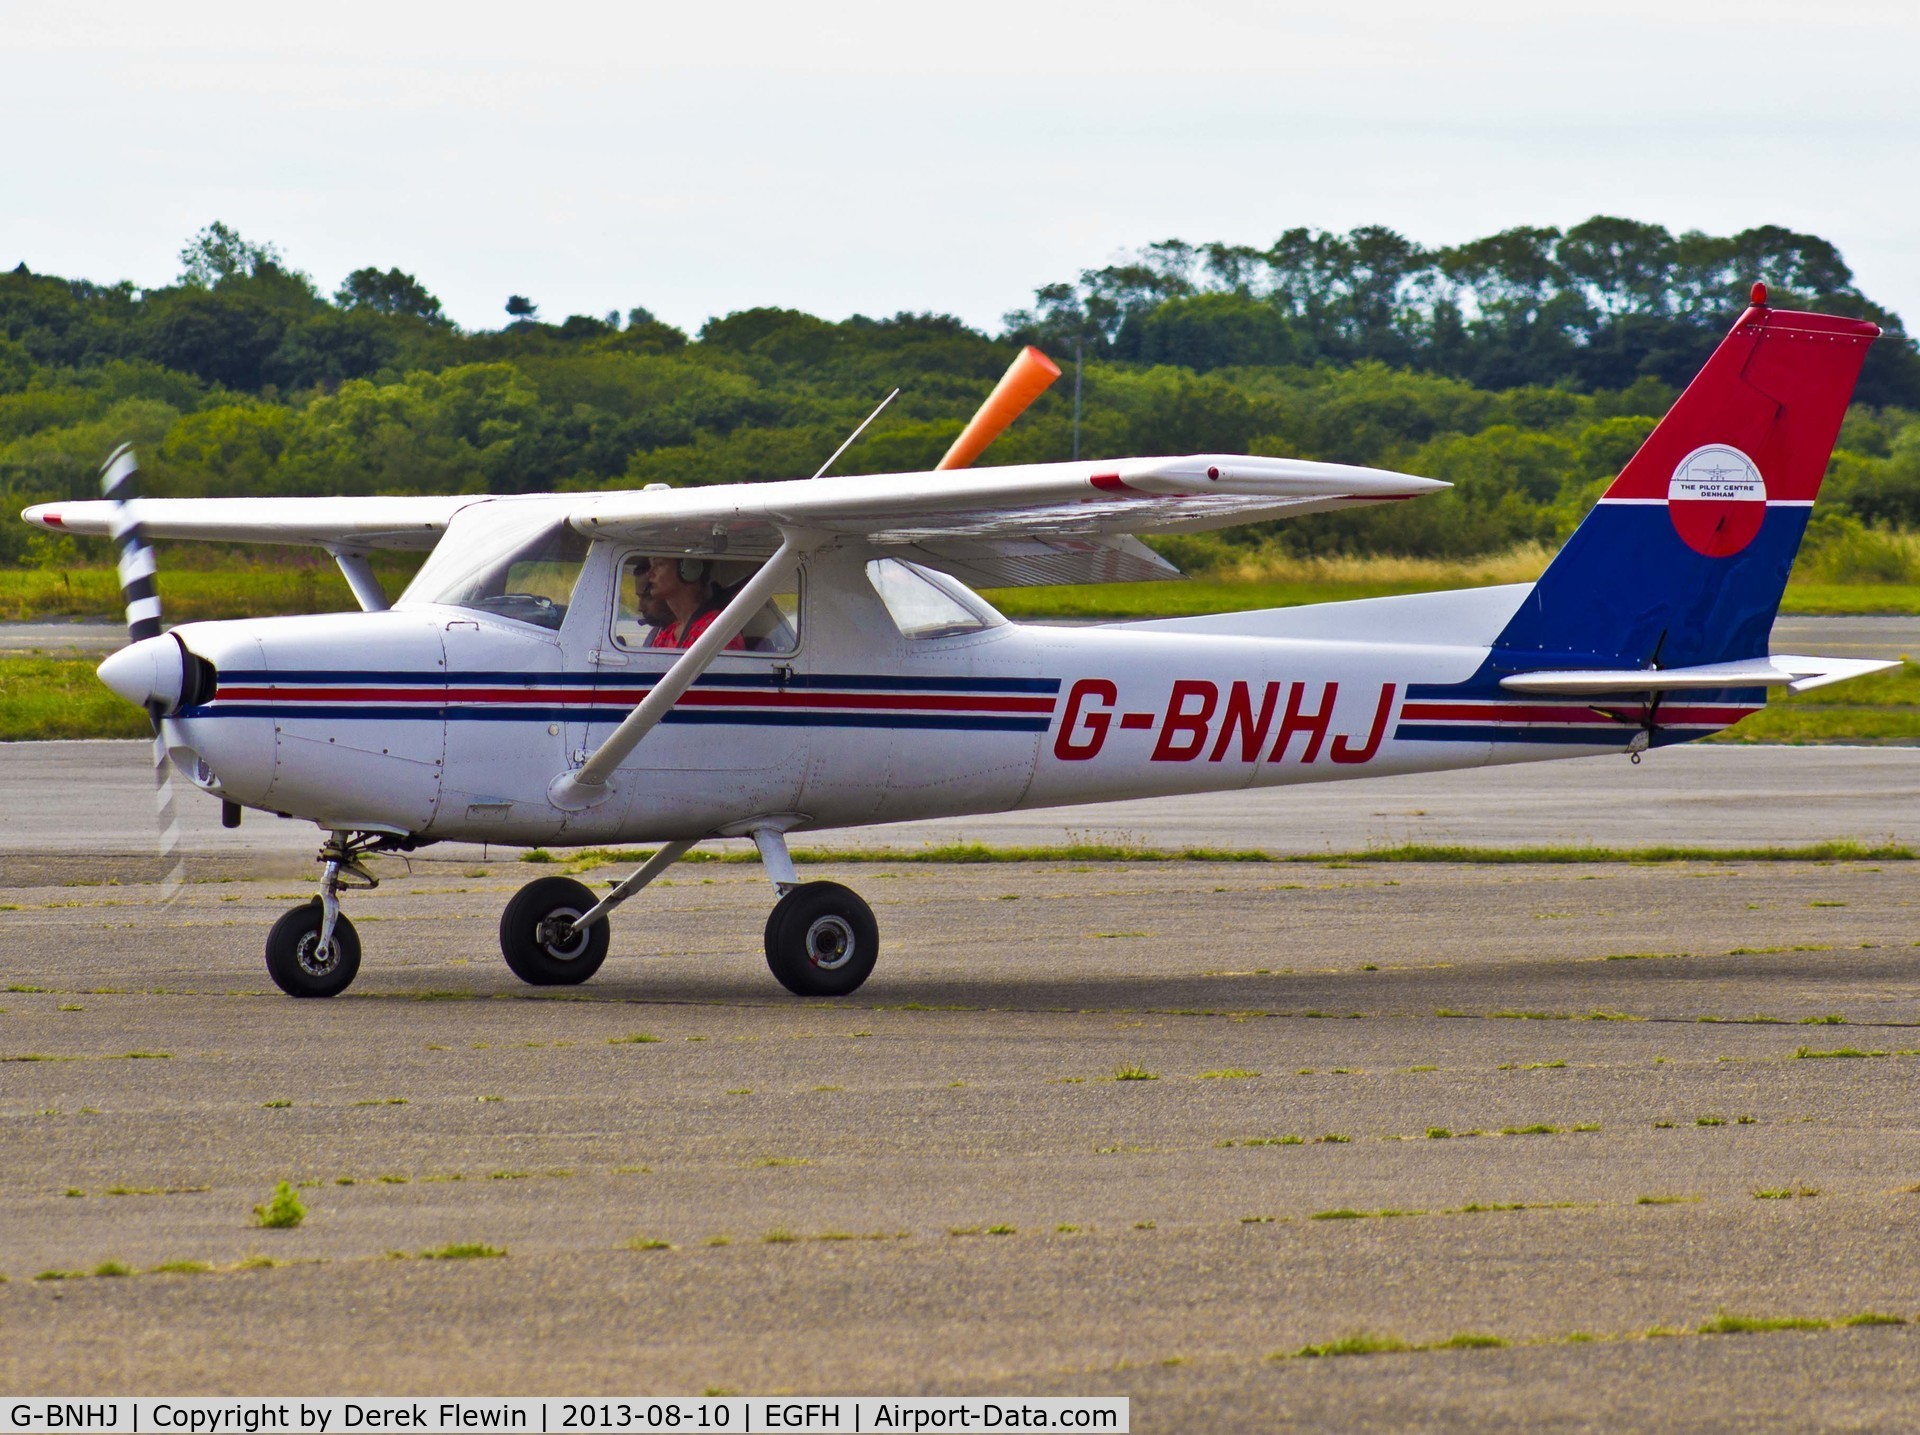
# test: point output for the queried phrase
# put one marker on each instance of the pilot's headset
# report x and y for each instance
(695, 570)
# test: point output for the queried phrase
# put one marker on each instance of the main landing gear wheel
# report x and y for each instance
(297, 962)
(539, 940)
(822, 940)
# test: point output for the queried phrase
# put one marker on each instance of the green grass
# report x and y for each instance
(195, 584)
(463, 1251)
(1881, 707)
(231, 590)
(1196, 596)
(43, 698)
(971, 853)
(1808, 599)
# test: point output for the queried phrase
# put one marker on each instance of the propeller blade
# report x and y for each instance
(120, 483)
(1024, 381)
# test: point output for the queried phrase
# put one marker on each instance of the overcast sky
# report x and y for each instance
(874, 157)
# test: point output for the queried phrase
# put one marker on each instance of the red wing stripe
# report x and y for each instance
(1113, 483)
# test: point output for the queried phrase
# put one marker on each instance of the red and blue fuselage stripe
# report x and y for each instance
(771, 699)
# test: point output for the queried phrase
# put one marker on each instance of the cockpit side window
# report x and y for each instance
(668, 600)
(489, 562)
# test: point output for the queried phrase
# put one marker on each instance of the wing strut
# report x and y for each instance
(587, 786)
(358, 571)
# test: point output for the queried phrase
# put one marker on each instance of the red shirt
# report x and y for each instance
(693, 628)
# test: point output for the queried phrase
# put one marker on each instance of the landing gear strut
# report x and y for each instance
(821, 938)
(313, 951)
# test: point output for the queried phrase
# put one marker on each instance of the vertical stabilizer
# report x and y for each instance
(1684, 558)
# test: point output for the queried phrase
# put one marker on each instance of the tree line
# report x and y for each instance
(1524, 368)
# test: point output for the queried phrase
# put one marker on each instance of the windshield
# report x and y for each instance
(503, 559)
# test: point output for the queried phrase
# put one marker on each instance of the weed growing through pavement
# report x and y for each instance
(1727, 1323)
(282, 1211)
(463, 1251)
(1360, 1343)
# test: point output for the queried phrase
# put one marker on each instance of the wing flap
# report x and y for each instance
(1031, 562)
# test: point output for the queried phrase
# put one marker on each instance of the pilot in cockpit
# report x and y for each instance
(679, 599)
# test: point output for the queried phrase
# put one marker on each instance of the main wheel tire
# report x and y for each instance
(538, 941)
(292, 954)
(822, 940)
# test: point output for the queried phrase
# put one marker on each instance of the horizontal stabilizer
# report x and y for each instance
(1782, 670)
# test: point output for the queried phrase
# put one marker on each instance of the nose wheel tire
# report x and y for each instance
(537, 936)
(822, 940)
(298, 964)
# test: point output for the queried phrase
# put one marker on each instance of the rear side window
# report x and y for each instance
(928, 605)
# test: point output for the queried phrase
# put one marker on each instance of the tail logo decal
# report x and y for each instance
(1717, 500)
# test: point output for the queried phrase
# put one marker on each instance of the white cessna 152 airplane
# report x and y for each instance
(751, 660)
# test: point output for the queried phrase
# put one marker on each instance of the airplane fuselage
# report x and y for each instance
(446, 723)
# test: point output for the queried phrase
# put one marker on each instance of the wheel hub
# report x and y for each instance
(315, 960)
(558, 936)
(830, 943)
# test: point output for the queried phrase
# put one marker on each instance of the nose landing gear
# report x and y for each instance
(313, 951)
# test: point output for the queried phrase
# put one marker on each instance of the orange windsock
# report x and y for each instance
(1024, 381)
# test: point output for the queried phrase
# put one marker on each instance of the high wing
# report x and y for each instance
(381, 522)
(993, 527)
(999, 513)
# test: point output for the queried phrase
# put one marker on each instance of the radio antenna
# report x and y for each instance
(857, 432)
